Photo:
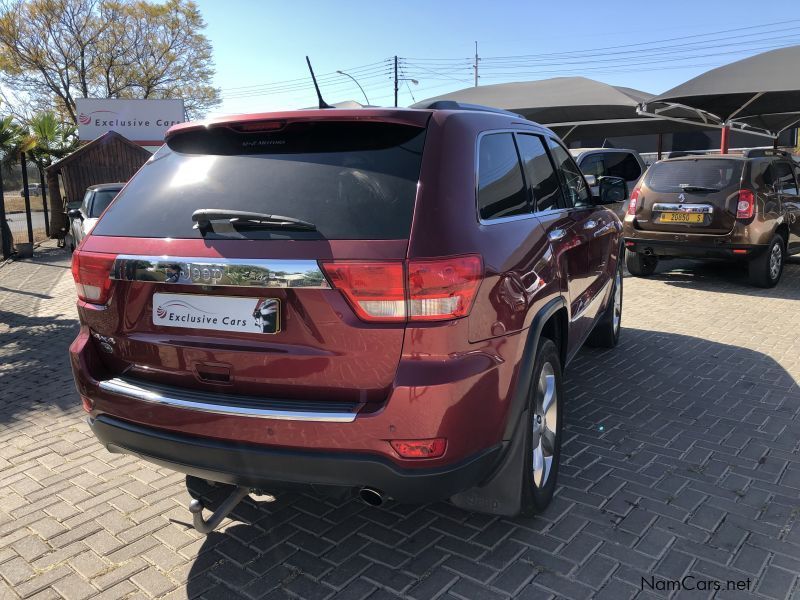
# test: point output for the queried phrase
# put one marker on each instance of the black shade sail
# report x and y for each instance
(757, 93)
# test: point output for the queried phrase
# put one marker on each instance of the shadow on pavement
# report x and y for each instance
(679, 457)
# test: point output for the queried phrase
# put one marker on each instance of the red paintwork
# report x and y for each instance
(450, 379)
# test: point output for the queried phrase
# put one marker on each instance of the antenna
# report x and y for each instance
(322, 103)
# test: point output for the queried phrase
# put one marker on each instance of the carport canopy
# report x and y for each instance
(759, 94)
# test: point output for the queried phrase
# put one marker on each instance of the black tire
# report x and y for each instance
(640, 265)
(764, 272)
(538, 487)
(606, 332)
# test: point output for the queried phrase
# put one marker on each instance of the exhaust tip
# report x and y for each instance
(370, 496)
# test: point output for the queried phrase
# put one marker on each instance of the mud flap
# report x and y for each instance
(501, 494)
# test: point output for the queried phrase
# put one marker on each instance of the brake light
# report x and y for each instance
(92, 274)
(375, 290)
(432, 448)
(746, 207)
(443, 288)
(634, 201)
(415, 290)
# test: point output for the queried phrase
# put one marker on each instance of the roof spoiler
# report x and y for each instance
(761, 152)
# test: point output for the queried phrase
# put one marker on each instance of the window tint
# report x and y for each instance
(571, 178)
(673, 176)
(542, 178)
(593, 165)
(784, 178)
(622, 164)
(101, 201)
(353, 180)
(501, 191)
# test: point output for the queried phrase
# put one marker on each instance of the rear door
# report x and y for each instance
(697, 195)
(250, 310)
(787, 188)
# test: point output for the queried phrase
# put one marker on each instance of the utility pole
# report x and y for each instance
(395, 81)
(475, 66)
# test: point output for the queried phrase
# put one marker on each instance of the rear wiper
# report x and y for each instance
(697, 188)
(226, 221)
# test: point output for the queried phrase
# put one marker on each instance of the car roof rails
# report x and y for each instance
(761, 152)
(453, 105)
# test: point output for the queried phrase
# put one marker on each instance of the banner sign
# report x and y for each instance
(138, 120)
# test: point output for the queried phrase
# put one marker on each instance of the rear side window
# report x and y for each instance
(593, 165)
(353, 180)
(501, 190)
(541, 176)
(102, 199)
(780, 175)
(673, 176)
(622, 164)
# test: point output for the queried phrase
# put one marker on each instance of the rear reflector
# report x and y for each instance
(415, 290)
(746, 207)
(92, 274)
(432, 448)
(739, 251)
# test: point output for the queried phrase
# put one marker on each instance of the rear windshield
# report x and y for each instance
(352, 180)
(674, 176)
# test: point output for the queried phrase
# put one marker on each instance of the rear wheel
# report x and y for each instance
(606, 332)
(543, 445)
(640, 265)
(766, 268)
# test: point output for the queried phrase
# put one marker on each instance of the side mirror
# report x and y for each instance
(75, 214)
(612, 189)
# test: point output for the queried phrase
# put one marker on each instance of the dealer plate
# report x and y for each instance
(220, 313)
(679, 217)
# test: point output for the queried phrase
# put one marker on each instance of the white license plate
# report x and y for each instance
(221, 313)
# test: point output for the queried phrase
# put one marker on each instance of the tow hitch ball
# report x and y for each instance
(207, 526)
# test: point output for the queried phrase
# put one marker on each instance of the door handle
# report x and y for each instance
(590, 224)
(556, 234)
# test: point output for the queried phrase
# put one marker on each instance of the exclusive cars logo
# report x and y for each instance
(162, 310)
(110, 118)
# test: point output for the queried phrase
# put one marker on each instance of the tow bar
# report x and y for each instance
(207, 526)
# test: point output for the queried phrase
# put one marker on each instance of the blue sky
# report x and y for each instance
(260, 47)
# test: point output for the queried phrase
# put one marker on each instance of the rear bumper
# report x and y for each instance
(261, 467)
(713, 248)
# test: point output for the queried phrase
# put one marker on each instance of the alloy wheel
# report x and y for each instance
(545, 421)
(617, 316)
(775, 261)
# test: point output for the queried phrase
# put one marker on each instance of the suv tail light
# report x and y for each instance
(746, 207)
(633, 202)
(92, 274)
(415, 290)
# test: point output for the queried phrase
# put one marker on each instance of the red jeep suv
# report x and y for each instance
(380, 300)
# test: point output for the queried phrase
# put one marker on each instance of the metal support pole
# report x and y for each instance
(724, 141)
(27, 194)
(475, 66)
(5, 230)
(660, 145)
(44, 202)
(395, 81)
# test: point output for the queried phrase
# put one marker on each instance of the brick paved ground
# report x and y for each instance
(696, 471)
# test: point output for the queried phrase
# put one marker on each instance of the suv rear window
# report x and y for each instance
(353, 180)
(672, 176)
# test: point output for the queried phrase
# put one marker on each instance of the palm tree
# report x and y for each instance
(48, 140)
(10, 136)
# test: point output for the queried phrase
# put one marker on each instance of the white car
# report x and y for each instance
(615, 162)
(83, 219)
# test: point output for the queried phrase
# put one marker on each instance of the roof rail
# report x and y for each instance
(453, 105)
(761, 152)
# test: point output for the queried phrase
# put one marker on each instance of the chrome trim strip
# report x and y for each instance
(706, 209)
(590, 303)
(129, 390)
(232, 272)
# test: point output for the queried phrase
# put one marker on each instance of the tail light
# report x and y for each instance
(413, 290)
(633, 202)
(746, 207)
(432, 448)
(92, 274)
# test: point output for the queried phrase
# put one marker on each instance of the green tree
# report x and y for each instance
(10, 138)
(54, 51)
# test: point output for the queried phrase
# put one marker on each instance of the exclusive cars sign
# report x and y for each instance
(142, 121)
